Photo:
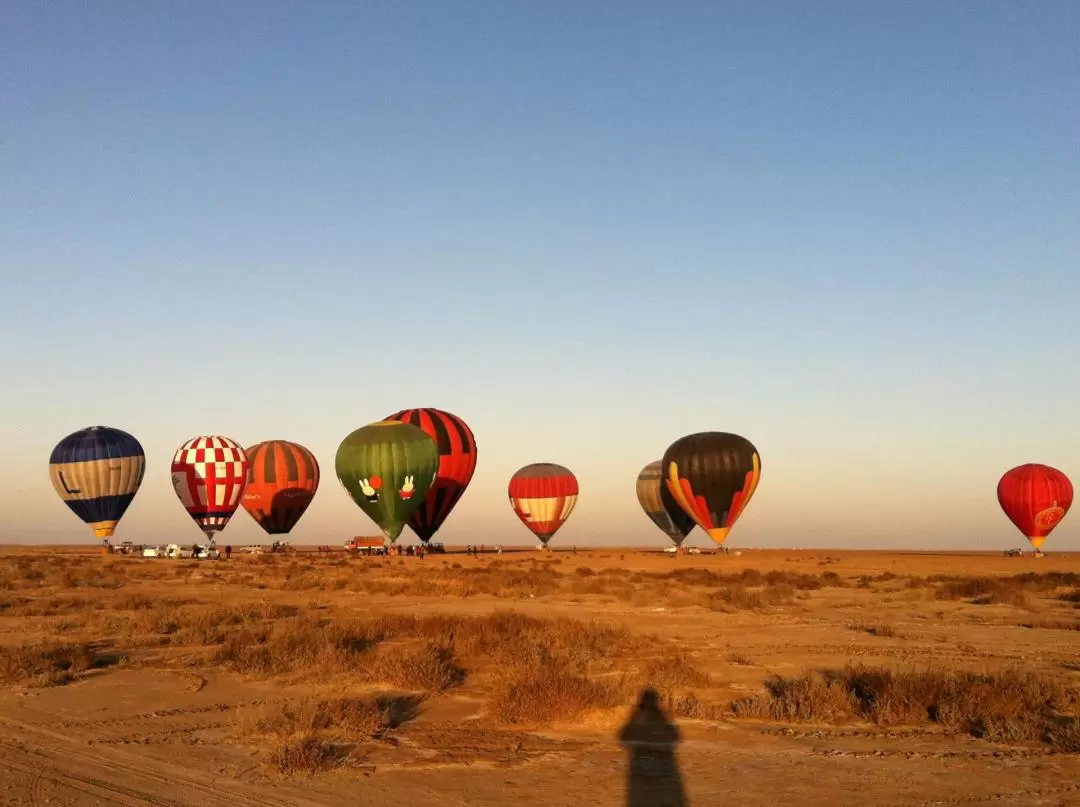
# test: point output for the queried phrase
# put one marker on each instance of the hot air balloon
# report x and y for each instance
(387, 469)
(97, 472)
(282, 480)
(660, 506)
(543, 495)
(457, 461)
(712, 475)
(209, 475)
(1035, 498)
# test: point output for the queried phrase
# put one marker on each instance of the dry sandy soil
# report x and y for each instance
(776, 677)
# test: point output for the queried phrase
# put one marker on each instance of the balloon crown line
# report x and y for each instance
(415, 474)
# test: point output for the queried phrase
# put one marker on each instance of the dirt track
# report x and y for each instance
(164, 728)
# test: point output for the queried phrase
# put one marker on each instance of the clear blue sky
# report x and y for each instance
(848, 231)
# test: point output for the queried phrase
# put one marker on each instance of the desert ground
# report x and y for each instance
(615, 677)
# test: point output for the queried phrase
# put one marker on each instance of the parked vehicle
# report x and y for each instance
(366, 546)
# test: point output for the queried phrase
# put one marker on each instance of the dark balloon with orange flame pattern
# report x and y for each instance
(712, 476)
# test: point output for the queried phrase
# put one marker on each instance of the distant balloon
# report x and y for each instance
(457, 462)
(387, 468)
(543, 495)
(660, 505)
(97, 471)
(1035, 498)
(282, 480)
(712, 475)
(209, 475)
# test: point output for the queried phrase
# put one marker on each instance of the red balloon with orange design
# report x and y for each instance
(1036, 498)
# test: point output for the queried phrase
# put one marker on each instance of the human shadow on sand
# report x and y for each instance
(653, 778)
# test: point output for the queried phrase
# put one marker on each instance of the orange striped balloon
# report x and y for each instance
(282, 480)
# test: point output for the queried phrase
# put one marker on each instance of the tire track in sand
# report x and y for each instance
(118, 777)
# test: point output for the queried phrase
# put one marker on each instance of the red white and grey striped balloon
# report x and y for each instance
(209, 474)
(543, 495)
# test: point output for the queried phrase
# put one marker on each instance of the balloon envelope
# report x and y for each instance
(660, 506)
(457, 462)
(712, 475)
(282, 480)
(387, 468)
(97, 471)
(209, 474)
(543, 495)
(1035, 498)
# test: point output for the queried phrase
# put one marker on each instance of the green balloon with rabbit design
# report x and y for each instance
(387, 469)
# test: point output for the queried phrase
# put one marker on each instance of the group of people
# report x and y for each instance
(412, 550)
(471, 549)
(210, 547)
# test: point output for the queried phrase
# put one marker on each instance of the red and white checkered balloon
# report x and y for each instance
(209, 475)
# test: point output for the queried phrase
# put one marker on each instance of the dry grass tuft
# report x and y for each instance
(739, 597)
(428, 668)
(1052, 624)
(510, 638)
(305, 754)
(673, 673)
(883, 630)
(1009, 707)
(806, 698)
(45, 664)
(1015, 590)
(420, 653)
(674, 678)
(315, 735)
(688, 705)
(293, 645)
(351, 718)
(546, 694)
(1063, 735)
(985, 591)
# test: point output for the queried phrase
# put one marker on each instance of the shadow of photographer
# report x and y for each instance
(653, 778)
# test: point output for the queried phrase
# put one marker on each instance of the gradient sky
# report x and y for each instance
(848, 231)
